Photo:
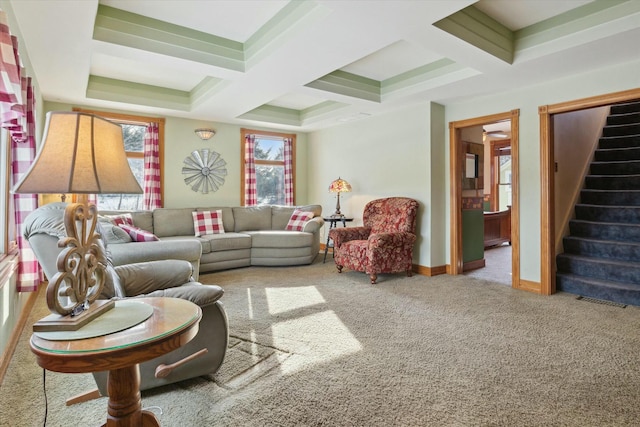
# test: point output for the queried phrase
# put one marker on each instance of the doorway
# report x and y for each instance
(457, 180)
(547, 168)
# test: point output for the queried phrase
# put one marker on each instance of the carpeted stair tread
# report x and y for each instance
(618, 141)
(624, 118)
(618, 167)
(620, 153)
(602, 213)
(627, 107)
(613, 182)
(623, 293)
(590, 196)
(621, 130)
(612, 231)
(599, 248)
(600, 268)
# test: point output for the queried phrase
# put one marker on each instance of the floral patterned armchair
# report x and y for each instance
(384, 244)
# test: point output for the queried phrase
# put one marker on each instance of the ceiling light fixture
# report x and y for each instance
(205, 134)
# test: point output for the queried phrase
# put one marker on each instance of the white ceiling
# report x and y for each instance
(306, 65)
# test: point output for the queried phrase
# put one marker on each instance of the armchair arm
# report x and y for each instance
(145, 277)
(342, 235)
(381, 240)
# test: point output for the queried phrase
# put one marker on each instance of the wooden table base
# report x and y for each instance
(125, 404)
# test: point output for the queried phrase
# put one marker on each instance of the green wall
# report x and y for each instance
(180, 141)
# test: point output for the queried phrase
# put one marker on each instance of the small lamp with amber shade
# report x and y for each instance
(80, 154)
(339, 186)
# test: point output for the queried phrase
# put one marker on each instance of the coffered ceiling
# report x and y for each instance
(306, 65)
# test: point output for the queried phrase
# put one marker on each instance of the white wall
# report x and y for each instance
(575, 135)
(528, 99)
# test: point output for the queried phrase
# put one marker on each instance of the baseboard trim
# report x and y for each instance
(529, 286)
(430, 271)
(472, 265)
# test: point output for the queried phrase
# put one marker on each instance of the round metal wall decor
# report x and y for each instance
(204, 170)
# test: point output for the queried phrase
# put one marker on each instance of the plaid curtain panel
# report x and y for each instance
(152, 196)
(288, 172)
(250, 186)
(22, 155)
(17, 115)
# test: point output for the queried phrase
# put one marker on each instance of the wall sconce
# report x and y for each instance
(205, 134)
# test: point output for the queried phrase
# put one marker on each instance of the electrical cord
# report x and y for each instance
(44, 391)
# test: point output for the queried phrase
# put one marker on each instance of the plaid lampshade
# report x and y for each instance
(80, 153)
(339, 186)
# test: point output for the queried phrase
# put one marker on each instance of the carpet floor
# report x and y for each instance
(311, 347)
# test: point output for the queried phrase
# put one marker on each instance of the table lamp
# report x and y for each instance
(339, 186)
(84, 154)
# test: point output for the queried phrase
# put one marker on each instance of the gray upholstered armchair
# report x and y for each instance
(156, 278)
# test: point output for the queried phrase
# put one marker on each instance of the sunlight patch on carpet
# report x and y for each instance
(316, 338)
(281, 300)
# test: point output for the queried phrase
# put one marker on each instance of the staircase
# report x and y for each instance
(602, 252)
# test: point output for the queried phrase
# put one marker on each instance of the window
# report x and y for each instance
(270, 165)
(501, 174)
(133, 132)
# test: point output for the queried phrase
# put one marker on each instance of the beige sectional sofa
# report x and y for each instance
(253, 236)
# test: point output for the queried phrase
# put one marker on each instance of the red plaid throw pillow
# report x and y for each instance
(207, 222)
(125, 219)
(138, 234)
(298, 220)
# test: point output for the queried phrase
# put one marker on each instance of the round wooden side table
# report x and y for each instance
(173, 323)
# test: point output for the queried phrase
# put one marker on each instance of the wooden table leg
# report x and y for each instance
(125, 404)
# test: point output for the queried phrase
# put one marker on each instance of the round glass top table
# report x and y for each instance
(173, 323)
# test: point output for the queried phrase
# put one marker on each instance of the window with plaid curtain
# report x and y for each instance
(17, 116)
(268, 167)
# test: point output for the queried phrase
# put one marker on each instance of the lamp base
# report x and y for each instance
(57, 322)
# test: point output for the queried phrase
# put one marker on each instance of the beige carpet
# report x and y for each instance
(312, 347)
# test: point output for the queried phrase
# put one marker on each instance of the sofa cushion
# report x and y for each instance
(138, 234)
(173, 222)
(207, 222)
(228, 241)
(280, 239)
(252, 218)
(227, 216)
(298, 220)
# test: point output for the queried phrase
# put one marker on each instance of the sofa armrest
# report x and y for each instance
(145, 277)
(196, 292)
(314, 225)
(344, 234)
